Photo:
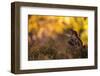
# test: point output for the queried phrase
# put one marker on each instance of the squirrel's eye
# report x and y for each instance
(71, 42)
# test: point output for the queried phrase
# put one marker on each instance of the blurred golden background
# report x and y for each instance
(51, 25)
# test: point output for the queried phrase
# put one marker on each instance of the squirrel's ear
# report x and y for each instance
(72, 32)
